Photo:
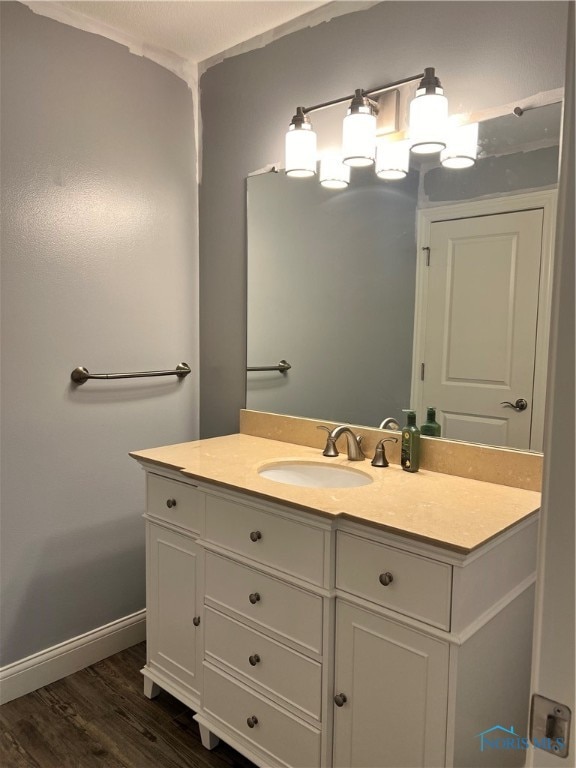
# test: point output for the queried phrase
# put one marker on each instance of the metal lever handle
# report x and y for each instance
(330, 450)
(519, 405)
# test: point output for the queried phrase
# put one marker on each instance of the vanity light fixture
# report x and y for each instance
(334, 174)
(359, 131)
(461, 146)
(300, 146)
(392, 159)
(428, 133)
(428, 116)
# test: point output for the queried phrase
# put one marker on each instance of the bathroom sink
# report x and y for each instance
(314, 474)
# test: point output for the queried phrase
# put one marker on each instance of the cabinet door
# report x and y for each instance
(395, 681)
(173, 637)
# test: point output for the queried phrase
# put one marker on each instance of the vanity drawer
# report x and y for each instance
(287, 545)
(281, 671)
(281, 735)
(420, 587)
(175, 502)
(289, 611)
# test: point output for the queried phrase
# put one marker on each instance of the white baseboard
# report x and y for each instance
(64, 659)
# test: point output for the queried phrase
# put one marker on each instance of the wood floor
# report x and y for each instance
(99, 718)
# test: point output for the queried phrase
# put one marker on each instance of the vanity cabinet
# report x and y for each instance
(391, 686)
(265, 646)
(310, 641)
(173, 596)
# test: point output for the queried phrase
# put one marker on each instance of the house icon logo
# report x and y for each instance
(498, 737)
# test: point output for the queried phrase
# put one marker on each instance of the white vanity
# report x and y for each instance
(385, 625)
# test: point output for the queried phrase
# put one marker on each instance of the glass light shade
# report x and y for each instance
(461, 147)
(392, 159)
(300, 151)
(428, 122)
(359, 138)
(333, 173)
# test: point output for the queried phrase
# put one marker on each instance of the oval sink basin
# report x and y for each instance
(312, 474)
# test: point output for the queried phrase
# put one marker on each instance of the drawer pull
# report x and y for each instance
(171, 503)
(255, 536)
(340, 699)
(254, 597)
(254, 659)
(252, 721)
(386, 578)
(196, 621)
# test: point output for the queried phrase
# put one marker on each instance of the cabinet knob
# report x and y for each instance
(386, 578)
(254, 659)
(196, 621)
(171, 503)
(254, 597)
(340, 699)
(255, 536)
(252, 721)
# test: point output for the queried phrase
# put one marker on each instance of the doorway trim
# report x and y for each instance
(425, 217)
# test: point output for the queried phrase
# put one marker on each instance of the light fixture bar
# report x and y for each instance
(371, 92)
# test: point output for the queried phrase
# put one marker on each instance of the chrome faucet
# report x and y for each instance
(352, 443)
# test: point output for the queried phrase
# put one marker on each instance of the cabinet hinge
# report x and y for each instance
(427, 249)
(422, 367)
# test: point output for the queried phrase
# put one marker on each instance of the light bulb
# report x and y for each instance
(300, 147)
(428, 116)
(359, 132)
(392, 159)
(461, 147)
(334, 174)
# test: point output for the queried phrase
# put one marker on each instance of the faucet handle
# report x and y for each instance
(330, 448)
(380, 459)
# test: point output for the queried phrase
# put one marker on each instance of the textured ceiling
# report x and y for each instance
(195, 30)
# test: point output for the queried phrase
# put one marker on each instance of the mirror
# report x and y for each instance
(332, 285)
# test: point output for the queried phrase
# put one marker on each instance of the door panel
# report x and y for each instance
(481, 316)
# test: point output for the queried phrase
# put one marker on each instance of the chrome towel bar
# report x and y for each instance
(282, 367)
(80, 375)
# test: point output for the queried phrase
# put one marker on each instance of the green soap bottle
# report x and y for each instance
(410, 453)
(431, 426)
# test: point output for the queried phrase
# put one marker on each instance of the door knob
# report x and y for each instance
(254, 597)
(519, 405)
(340, 699)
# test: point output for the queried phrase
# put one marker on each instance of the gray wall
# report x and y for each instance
(98, 269)
(486, 54)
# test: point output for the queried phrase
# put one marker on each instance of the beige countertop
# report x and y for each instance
(454, 512)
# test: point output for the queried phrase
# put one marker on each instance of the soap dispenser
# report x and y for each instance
(410, 453)
(431, 428)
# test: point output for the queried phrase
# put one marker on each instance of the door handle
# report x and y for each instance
(519, 405)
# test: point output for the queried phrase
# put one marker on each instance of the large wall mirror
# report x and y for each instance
(338, 285)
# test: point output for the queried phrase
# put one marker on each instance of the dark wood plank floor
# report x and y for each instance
(100, 718)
